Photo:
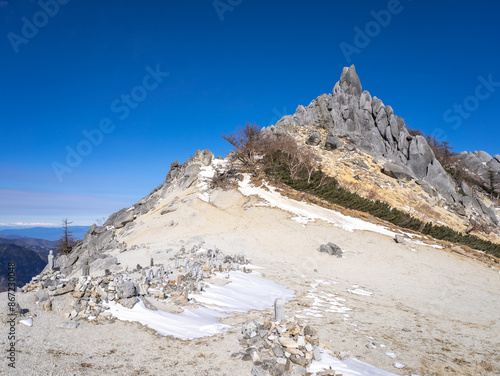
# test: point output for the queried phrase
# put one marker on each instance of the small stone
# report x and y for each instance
(281, 360)
(257, 371)
(298, 370)
(399, 239)
(128, 302)
(247, 357)
(308, 331)
(317, 354)
(249, 329)
(406, 330)
(278, 351)
(288, 342)
(301, 341)
(297, 359)
(73, 314)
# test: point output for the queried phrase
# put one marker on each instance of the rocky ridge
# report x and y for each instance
(99, 239)
(354, 119)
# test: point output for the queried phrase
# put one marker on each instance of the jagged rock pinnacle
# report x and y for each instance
(349, 81)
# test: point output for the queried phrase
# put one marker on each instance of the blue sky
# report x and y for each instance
(151, 81)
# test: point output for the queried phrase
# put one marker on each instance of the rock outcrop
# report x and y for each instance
(353, 117)
(484, 166)
(99, 239)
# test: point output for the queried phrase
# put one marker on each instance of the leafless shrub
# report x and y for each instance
(224, 179)
(246, 144)
(256, 151)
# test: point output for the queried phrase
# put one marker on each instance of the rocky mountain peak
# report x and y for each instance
(354, 118)
(349, 82)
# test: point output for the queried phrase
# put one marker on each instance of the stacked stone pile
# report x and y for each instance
(279, 346)
(176, 282)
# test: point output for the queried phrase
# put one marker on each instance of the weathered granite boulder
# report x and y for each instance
(331, 249)
(332, 142)
(397, 171)
(128, 302)
(126, 289)
(314, 139)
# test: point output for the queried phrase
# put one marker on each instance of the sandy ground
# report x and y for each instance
(447, 304)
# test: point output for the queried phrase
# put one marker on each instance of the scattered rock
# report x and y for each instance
(287, 348)
(168, 209)
(249, 329)
(331, 249)
(333, 142)
(397, 171)
(314, 139)
(128, 302)
(257, 371)
(127, 290)
(63, 290)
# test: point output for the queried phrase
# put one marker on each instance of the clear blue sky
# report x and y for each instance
(88, 64)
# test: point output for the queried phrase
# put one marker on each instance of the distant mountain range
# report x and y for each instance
(29, 249)
(28, 264)
(41, 246)
(45, 233)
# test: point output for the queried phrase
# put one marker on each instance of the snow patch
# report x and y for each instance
(245, 292)
(305, 212)
(346, 367)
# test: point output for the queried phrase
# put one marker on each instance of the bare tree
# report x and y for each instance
(66, 242)
(245, 141)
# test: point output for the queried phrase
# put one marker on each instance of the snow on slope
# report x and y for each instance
(306, 212)
(245, 292)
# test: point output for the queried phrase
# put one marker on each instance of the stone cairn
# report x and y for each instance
(275, 349)
(279, 346)
(176, 282)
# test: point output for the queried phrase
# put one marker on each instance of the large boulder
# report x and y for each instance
(126, 289)
(397, 171)
(331, 249)
(120, 218)
(332, 142)
(314, 139)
